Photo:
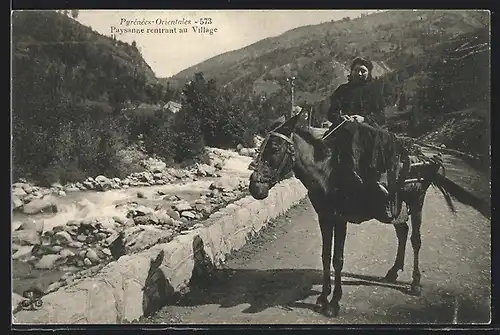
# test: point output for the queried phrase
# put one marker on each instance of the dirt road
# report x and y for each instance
(277, 277)
(474, 181)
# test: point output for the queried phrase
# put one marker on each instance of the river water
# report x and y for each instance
(80, 205)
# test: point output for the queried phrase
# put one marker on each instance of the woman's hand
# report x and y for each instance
(353, 118)
(346, 118)
(358, 118)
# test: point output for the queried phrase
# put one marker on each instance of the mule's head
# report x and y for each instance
(275, 160)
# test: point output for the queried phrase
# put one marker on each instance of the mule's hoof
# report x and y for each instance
(322, 301)
(391, 276)
(331, 310)
(416, 290)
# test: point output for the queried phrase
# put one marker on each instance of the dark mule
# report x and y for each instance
(289, 148)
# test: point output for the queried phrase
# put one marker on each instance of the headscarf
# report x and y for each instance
(362, 61)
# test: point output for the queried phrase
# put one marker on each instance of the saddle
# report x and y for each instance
(376, 165)
(391, 185)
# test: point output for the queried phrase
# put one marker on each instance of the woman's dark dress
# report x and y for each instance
(366, 150)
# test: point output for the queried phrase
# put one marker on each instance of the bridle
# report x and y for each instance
(289, 153)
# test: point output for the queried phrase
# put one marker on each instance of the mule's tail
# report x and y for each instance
(443, 185)
(451, 191)
(448, 189)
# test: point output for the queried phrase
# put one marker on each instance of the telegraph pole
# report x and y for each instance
(292, 84)
(309, 119)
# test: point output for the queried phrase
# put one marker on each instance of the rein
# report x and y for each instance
(328, 133)
(290, 149)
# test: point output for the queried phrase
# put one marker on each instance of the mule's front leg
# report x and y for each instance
(416, 222)
(340, 231)
(326, 227)
(402, 234)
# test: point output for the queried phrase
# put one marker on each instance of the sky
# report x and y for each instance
(172, 50)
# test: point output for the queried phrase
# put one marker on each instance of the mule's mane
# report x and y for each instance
(321, 151)
(313, 166)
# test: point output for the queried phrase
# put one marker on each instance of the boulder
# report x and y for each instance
(228, 184)
(63, 237)
(188, 215)
(139, 211)
(103, 183)
(27, 188)
(88, 185)
(16, 300)
(19, 192)
(92, 255)
(16, 202)
(24, 253)
(182, 206)
(47, 204)
(48, 262)
(204, 209)
(66, 253)
(80, 186)
(147, 219)
(16, 225)
(26, 237)
(163, 218)
(249, 152)
(156, 166)
(205, 170)
(72, 189)
(173, 214)
(56, 186)
(107, 223)
(216, 162)
(33, 225)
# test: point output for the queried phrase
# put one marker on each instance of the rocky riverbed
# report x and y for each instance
(30, 199)
(51, 249)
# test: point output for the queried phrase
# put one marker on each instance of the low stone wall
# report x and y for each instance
(137, 285)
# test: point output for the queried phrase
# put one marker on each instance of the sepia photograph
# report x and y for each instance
(206, 167)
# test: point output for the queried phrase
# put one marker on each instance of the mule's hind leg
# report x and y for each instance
(416, 222)
(326, 227)
(402, 235)
(340, 231)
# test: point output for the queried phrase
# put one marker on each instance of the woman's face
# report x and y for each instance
(359, 73)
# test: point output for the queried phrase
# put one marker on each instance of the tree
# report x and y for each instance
(189, 139)
(402, 102)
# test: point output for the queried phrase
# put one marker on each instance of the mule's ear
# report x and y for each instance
(277, 123)
(289, 126)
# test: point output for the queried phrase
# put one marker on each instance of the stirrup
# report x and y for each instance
(403, 215)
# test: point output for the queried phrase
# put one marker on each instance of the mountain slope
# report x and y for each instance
(88, 63)
(318, 54)
(69, 85)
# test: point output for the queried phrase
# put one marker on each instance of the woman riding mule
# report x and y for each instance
(291, 148)
(369, 156)
(340, 168)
